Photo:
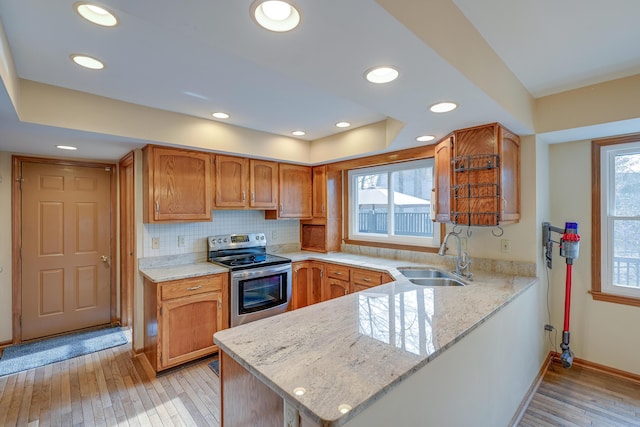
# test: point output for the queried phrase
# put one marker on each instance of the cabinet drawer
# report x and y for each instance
(365, 277)
(339, 272)
(186, 287)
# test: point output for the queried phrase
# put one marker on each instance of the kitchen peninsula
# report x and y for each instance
(384, 355)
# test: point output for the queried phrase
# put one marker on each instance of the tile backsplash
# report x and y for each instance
(280, 232)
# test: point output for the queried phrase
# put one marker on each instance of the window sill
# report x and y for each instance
(396, 246)
(616, 299)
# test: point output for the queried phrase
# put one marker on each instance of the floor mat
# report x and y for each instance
(215, 367)
(31, 355)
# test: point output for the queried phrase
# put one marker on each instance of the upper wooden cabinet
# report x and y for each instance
(178, 185)
(232, 181)
(294, 193)
(246, 183)
(263, 184)
(323, 233)
(319, 199)
(442, 185)
(482, 166)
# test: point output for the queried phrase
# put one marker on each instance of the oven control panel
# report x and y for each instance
(236, 241)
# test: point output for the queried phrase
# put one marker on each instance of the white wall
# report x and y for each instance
(5, 248)
(601, 332)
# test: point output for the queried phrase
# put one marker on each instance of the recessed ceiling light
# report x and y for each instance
(299, 391)
(66, 147)
(443, 107)
(298, 133)
(382, 74)
(275, 15)
(96, 14)
(87, 62)
(425, 138)
(220, 115)
(343, 124)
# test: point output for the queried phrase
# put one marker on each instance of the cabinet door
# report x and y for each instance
(509, 176)
(443, 180)
(187, 326)
(232, 178)
(263, 183)
(335, 288)
(300, 285)
(295, 191)
(178, 185)
(317, 283)
(319, 203)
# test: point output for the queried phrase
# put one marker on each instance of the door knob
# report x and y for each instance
(104, 258)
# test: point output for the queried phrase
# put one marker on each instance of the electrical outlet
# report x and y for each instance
(181, 241)
(505, 245)
(155, 243)
(548, 327)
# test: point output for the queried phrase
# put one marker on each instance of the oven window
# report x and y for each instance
(262, 293)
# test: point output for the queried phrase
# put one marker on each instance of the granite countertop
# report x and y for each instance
(165, 273)
(348, 352)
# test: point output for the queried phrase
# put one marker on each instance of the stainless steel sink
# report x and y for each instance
(436, 281)
(422, 272)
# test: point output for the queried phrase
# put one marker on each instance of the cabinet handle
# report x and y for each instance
(337, 273)
(323, 208)
(157, 206)
(346, 291)
(220, 305)
(244, 196)
(281, 208)
(194, 288)
(253, 196)
(366, 279)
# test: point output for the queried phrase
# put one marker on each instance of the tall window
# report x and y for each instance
(392, 204)
(619, 219)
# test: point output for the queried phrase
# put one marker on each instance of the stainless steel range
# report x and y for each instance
(260, 283)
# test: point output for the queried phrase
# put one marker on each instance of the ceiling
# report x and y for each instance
(195, 57)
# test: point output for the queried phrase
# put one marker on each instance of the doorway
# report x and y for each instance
(63, 234)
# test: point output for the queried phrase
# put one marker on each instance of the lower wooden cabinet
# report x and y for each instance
(315, 281)
(307, 286)
(181, 317)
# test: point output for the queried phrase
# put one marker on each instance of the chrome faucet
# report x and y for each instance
(462, 258)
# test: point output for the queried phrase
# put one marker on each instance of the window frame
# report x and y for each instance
(600, 151)
(409, 243)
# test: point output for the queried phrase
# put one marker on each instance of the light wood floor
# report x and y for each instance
(583, 397)
(111, 388)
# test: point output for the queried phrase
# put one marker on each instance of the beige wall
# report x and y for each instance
(601, 332)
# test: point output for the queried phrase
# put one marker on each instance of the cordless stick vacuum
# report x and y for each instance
(569, 248)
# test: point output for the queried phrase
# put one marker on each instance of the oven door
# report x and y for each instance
(260, 292)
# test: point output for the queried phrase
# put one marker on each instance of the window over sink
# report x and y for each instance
(392, 204)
